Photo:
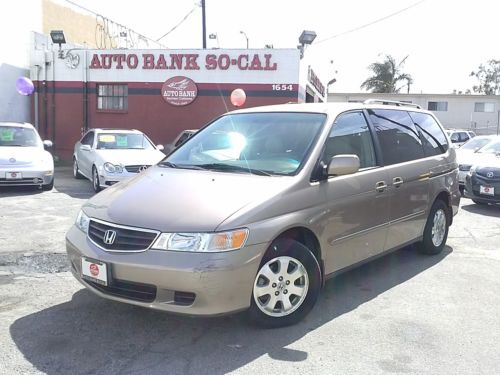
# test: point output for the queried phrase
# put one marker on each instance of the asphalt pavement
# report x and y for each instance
(405, 313)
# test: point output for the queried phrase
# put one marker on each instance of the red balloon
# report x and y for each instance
(238, 97)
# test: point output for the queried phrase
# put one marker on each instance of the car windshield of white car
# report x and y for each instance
(475, 143)
(258, 143)
(123, 141)
(11, 136)
(491, 148)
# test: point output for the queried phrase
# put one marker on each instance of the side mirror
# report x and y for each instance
(343, 164)
(47, 144)
(160, 147)
(85, 147)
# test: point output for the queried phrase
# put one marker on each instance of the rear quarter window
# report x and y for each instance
(433, 138)
(398, 136)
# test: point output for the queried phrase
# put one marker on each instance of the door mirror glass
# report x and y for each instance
(160, 147)
(47, 144)
(85, 147)
(343, 164)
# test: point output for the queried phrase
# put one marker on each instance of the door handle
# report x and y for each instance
(397, 181)
(380, 186)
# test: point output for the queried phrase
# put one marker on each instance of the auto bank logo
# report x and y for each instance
(179, 91)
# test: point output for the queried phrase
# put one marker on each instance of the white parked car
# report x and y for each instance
(459, 137)
(108, 156)
(23, 158)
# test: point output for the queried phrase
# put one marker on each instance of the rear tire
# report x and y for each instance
(286, 286)
(436, 229)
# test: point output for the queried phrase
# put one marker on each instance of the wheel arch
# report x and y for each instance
(445, 196)
(307, 238)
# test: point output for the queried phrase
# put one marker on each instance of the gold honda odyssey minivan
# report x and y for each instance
(262, 205)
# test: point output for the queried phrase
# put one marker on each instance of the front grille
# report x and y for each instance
(20, 181)
(126, 239)
(184, 298)
(127, 289)
(483, 176)
(136, 168)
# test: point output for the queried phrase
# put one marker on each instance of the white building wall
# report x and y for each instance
(19, 19)
(461, 109)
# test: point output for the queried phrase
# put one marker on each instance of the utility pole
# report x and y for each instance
(204, 25)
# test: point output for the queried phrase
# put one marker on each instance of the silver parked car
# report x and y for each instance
(260, 207)
(107, 156)
(23, 158)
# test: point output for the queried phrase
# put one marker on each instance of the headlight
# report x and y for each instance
(82, 222)
(202, 242)
(112, 168)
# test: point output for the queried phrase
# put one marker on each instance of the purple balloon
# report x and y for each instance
(24, 86)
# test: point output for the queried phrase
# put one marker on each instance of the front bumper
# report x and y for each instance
(189, 283)
(30, 176)
(472, 189)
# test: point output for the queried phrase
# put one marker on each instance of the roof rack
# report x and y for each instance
(391, 102)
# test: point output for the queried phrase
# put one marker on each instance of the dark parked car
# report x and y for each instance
(482, 183)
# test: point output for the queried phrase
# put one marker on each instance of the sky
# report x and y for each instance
(442, 40)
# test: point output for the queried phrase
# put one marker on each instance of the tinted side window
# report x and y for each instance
(88, 139)
(464, 136)
(350, 135)
(433, 138)
(183, 138)
(398, 136)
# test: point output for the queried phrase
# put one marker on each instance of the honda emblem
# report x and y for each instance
(109, 237)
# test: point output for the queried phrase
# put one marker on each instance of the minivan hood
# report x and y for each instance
(15, 156)
(131, 157)
(181, 200)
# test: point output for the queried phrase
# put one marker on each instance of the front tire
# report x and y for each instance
(48, 186)
(76, 171)
(479, 202)
(286, 286)
(436, 229)
(96, 184)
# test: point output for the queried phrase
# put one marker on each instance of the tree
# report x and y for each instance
(489, 78)
(386, 76)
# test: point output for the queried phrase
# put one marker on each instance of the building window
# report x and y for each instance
(437, 106)
(112, 97)
(484, 107)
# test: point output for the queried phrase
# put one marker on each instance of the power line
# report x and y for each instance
(180, 23)
(370, 23)
(116, 23)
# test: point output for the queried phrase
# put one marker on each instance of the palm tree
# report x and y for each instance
(386, 76)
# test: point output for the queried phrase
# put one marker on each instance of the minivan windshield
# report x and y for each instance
(274, 143)
(17, 136)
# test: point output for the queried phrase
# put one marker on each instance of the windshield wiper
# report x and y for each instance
(178, 166)
(233, 168)
(167, 164)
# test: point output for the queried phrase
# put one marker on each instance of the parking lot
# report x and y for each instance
(404, 313)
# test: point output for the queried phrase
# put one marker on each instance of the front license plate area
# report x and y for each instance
(487, 190)
(94, 270)
(13, 175)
